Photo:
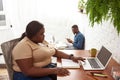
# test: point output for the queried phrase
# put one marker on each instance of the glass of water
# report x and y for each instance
(116, 72)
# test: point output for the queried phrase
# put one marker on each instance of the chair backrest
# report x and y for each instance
(83, 45)
(7, 48)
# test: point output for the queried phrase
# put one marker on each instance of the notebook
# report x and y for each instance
(99, 62)
(66, 63)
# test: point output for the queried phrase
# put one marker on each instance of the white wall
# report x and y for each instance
(5, 35)
(105, 35)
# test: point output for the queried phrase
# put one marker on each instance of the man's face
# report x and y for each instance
(74, 30)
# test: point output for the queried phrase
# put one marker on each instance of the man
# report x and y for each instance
(79, 38)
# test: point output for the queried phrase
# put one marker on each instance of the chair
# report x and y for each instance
(83, 45)
(7, 48)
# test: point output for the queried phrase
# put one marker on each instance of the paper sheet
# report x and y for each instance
(66, 63)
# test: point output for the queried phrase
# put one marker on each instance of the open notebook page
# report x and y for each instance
(66, 63)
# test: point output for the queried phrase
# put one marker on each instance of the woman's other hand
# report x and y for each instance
(62, 72)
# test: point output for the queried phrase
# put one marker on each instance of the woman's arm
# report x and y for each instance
(61, 54)
(26, 66)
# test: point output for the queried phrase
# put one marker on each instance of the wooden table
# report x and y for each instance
(80, 74)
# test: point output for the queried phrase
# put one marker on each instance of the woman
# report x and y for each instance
(32, 61)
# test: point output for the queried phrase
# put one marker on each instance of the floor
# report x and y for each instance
(3, 70)
(3, 74)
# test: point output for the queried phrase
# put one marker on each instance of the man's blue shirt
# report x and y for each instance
(79, 41)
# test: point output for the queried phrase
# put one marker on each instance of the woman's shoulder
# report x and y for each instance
(22, 43)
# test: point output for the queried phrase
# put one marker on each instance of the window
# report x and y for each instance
(2, 16)
(2, 20)
(1, 5)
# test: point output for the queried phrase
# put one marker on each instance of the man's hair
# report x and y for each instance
(75, 26)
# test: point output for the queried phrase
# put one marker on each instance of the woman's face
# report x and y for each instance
(40, 36)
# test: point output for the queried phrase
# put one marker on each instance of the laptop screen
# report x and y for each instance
(104, 55)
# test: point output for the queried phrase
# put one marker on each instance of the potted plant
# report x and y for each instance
(103, 10)
(81, 5)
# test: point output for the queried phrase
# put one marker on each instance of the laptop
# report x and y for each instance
(99, 62)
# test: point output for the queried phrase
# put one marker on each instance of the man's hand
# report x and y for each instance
(69, 40)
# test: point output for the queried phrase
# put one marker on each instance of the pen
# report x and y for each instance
(92, 77)
(100, 75)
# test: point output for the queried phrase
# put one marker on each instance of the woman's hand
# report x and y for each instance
(75, 59)
(62, 72)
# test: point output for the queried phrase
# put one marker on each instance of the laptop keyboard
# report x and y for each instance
(93, 63)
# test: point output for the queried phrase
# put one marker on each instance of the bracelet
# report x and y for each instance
(70, 56)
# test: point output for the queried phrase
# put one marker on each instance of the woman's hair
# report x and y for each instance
(32, 29)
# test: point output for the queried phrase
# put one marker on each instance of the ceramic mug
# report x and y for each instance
(93, 52)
